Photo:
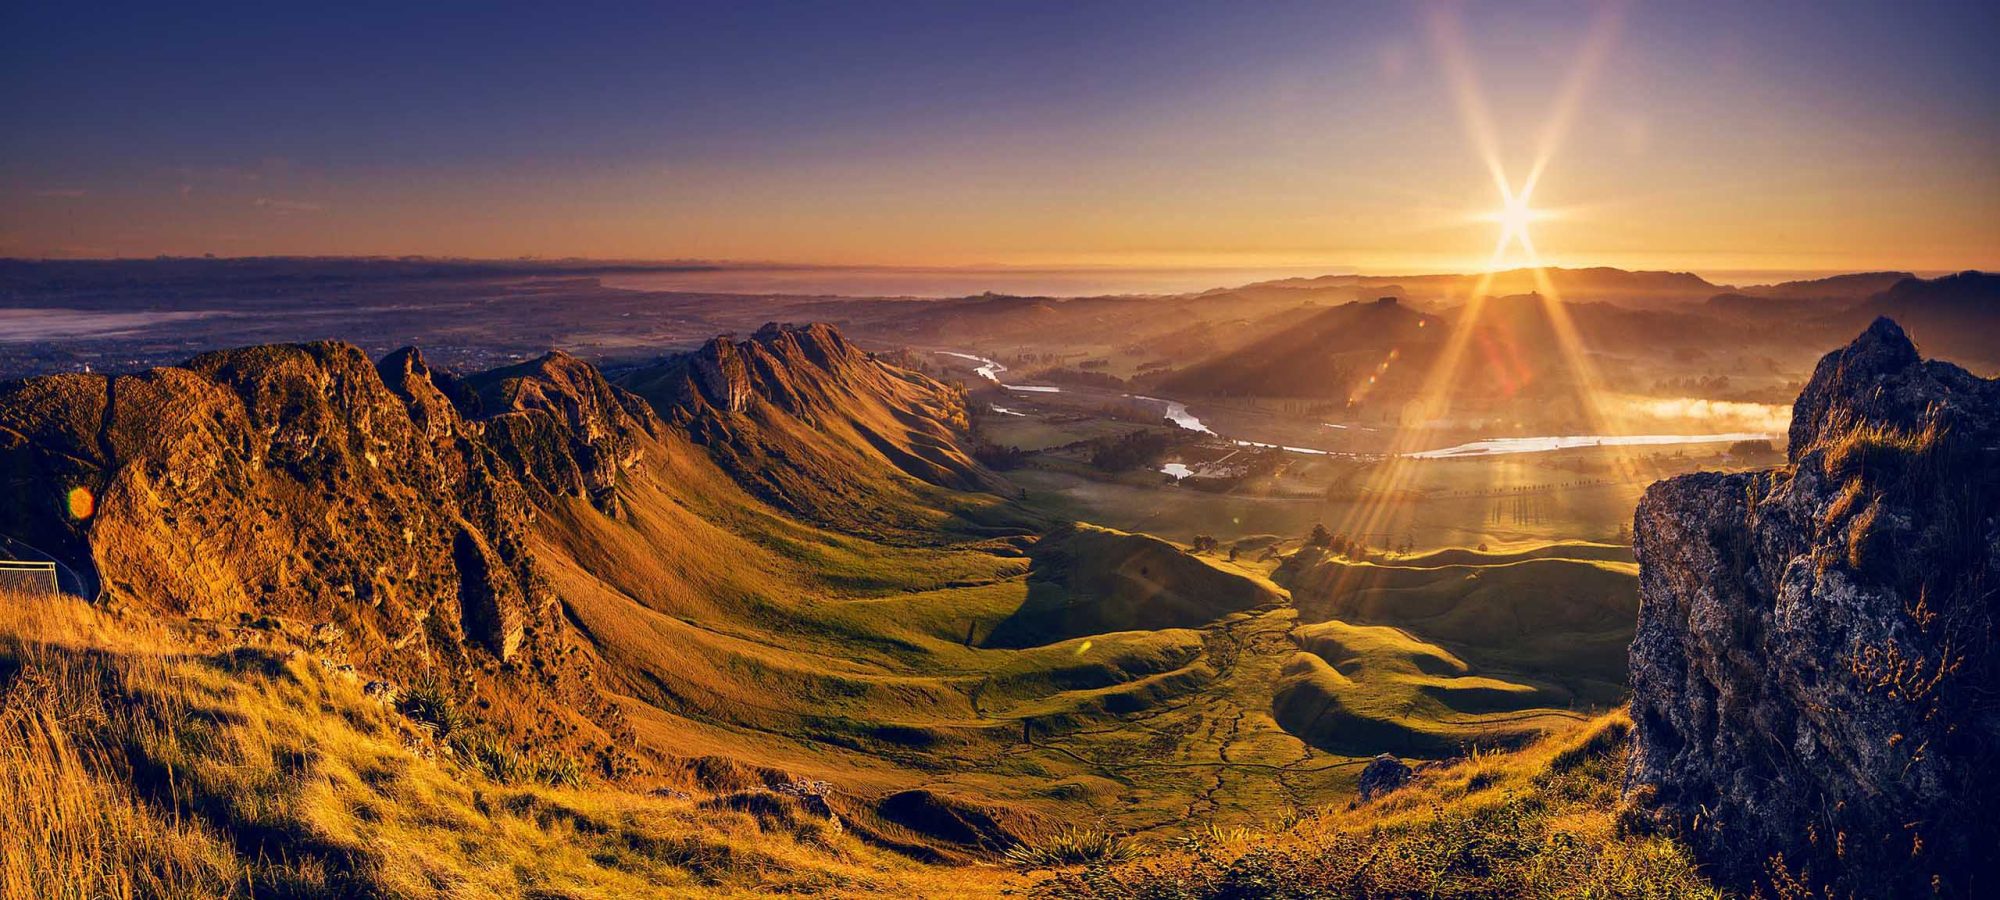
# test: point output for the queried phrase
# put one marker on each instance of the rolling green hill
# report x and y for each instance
(747, 620)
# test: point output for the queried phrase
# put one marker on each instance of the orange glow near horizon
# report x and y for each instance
(1431, 410)
(1729, 143)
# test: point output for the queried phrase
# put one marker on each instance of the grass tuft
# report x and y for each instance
(1072, 846)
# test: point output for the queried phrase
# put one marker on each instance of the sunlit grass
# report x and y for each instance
(1540, 822)
(138, 764)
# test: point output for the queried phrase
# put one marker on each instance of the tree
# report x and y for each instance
(1206, 543)
(998, 458)
(1130, 451)
(1320, 537)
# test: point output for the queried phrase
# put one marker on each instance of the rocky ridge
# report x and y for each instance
(384, 513)
(1815, 690)
(764, 406)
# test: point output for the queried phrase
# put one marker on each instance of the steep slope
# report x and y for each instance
(746, 581)
(813, 425)
(1814, 675)
(147, 758)
(413, 521)
(561, 426)
(295, 484)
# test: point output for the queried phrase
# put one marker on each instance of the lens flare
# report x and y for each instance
(81, 502)
(1387, 489)
(1514, 216)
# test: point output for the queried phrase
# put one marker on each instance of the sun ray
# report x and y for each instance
(1596, 46)
(1431, 407)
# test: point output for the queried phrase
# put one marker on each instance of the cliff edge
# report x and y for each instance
(1815, 690)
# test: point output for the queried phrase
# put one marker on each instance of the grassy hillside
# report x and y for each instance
(146, 761)
(1540, 822)
(143, 760)
(763, 629)
(1360, 690)
(1558, 617)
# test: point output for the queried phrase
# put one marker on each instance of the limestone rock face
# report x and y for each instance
(805, 420)
(805, 370)
(306, 482)
(1814, 675)
(562, 427)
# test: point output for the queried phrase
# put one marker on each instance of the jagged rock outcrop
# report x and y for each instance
(565, 429)
(1816, 691)
(421, 522)
(805, 370)
(307, 483)
(804, 419)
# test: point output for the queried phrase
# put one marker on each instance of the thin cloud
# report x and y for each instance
(286, 206)
(71, 193)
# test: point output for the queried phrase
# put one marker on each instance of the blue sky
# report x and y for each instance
(1018, 132)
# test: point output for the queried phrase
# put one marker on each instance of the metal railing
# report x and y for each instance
(27, 576)
(80, 580)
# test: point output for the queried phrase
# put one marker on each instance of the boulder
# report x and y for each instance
(1815, 689)
(1383, 774)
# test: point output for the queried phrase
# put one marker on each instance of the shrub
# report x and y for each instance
(489, 756)
(557, 771)
(1072, 846)
(429, 702)
(999, 458)
(1131, 451)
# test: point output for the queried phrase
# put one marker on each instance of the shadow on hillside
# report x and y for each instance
(1084, 580)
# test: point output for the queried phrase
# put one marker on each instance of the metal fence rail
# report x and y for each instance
(27, 576)
(79, 579)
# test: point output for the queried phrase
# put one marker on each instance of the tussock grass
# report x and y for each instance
(1073, 846)
(136, 762)
(65, 831)
(1540, 822)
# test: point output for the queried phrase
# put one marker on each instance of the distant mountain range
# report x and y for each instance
(1580, 284)
(1329, 354)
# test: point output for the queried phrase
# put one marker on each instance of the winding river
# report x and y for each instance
(1177, 412)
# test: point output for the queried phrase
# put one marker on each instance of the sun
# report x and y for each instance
(1514, 216)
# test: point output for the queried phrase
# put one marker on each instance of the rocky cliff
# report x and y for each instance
(1815, 687)
(388, 514)
(362, 508)
(805, 420)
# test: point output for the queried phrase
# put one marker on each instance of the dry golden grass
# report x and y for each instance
(1540, 822)
(139, 765)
